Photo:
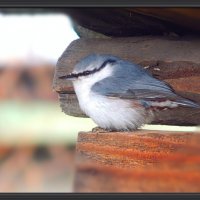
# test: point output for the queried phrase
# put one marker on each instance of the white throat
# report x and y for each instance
(94, 78)
(82, 85)
(106, 112)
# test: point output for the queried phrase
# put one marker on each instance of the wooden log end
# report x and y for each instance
(140, 161)
(173, 61)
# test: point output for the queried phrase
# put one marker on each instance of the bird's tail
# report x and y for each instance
(187, 103)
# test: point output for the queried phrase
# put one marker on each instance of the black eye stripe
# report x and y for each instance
(110, 61)
(85, 73)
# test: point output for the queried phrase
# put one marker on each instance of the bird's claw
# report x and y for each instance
(99, 130)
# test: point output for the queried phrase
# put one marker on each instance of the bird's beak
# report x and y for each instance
(70, 77)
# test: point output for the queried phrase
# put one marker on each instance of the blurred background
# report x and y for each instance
(37, 140)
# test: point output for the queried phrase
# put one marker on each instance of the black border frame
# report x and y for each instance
(93, 196)
(99, 3)
(96, 3)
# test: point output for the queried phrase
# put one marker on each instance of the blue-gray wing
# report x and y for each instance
(135, 83)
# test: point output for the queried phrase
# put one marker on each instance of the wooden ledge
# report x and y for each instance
(141, 161)
(175, 61)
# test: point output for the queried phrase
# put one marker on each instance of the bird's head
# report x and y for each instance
(94, 68)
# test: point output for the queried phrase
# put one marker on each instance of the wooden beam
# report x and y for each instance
(185, 17)
(128, 22)
(141, 161)
(174, 60)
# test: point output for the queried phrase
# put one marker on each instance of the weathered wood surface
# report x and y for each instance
(143, 161)
(175, 61)
(126, 22)
(189, 18)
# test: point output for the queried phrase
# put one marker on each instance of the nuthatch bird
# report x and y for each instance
(120, 95)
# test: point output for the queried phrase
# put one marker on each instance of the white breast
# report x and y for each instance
(108, 113)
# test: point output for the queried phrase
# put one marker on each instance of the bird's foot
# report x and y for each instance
(99, 130)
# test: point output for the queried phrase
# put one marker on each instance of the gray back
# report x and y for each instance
(93, 61)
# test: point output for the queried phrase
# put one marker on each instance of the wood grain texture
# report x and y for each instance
(175, 61)
(143, 161)
(185, 17)
(126, 22)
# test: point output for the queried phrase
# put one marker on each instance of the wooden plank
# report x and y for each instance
(186, 17)
(175, 61)
(126, 22)
(143, 161)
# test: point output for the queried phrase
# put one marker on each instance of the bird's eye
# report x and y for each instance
(87, 72)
